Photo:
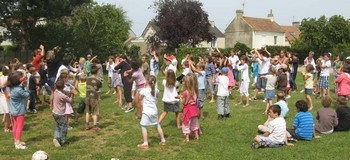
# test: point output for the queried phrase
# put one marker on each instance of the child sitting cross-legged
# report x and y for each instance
(274, 130)
(326, 117)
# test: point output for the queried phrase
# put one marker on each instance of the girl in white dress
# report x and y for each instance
(148, 97)
(4, 97)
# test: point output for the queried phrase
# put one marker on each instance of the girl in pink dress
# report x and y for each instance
(343, 81)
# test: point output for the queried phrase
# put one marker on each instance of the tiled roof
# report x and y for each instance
(262, 24)
(291, 32)
(216, 32)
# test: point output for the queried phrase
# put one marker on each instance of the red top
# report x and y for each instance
(36, 61)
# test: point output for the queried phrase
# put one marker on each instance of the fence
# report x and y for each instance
(6, 57)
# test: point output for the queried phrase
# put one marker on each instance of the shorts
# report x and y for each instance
(201, 96)
(308, 91)
(92, 106)
(323, 82)
(292, 133)
(269, 94)
(243, 89)
(260, 82)
(171, 107)
(82, 106)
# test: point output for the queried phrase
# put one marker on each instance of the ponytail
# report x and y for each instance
(152, 83)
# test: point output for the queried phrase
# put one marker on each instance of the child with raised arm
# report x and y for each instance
(81, 88)
(271, 79)
(148, 96)
(171, 104)
(223, 95)
(326, 117)
(18, 102)
(275, 133)
(190, 124)
(309, 84)
(109, 67)
(200, 73)
(59, 108)
(244, 87)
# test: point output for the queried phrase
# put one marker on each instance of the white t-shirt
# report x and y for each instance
(271, 82)
(326, 71)
(234, 60)
(171, 67)
(223, 82)
(109, 68)
(62, 67)
(174, 62)
(169, 94)
(186, 71)
(263, 65)
(245, 72)
(277, 130)
(149, 107)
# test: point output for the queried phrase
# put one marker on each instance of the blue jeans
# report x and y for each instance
(236, 74)
(51, 81)
(61, 128)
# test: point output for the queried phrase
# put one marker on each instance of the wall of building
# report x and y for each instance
(220, 42)
(238, 31)
(261, 39)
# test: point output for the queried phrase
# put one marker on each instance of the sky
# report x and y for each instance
(222, 12)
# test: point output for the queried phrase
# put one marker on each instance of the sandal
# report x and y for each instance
(162, 143)
(143, 146)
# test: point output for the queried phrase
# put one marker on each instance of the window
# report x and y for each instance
(275, 40)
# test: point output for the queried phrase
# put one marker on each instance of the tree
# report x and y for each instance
(19, 16)
(180, 22)
(100, 29)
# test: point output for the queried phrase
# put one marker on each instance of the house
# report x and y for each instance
(151, 29)
(292, 33)
(218, 39)
(254, 32)
(3, 40)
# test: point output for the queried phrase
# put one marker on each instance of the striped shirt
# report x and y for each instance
(304, 124)
(277, 130)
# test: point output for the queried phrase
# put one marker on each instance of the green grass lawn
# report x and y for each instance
(120, 133)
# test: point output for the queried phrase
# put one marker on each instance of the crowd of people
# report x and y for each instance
(54, 74)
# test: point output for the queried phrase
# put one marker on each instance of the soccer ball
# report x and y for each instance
(40, 155)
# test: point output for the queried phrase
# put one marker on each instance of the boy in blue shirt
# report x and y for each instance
(303, 125)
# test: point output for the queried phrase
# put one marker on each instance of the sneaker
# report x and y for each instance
(228, 116)
(261, 144)
(291, 139)
(87, 127)
(35, 111)
(264, 100)
(253, 99)
(220, 117)
(56, 143)
(95, 129)
(143, 146)
(129, 109)
(20, 146)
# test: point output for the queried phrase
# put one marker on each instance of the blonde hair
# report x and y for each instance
(82, 60)
(188, 85)
(194, 82)
(273, 71)
(82, 77)
(170, 78)
(50, 55)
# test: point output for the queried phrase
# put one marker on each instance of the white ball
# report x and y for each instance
(40, 155)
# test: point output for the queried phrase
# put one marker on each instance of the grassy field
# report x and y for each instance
(120, 133)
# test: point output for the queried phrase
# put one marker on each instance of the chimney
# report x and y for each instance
(270, 16)
(296, 24)
(239, 13)
(212, 23)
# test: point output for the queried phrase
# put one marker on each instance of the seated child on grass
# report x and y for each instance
(326, 117)
(274, 130)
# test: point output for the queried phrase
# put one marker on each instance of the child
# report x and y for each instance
(343, 114)
(200, 73)
(169, 66)
(117, 82)
(275, 133)
(109, 68)
(326, 117)
(81, 86)
(148, 96)
(188, 98)
(171, 104)
(185, 72)
(33, 82)
(223, 94)
(309, 84)
(270, 87)
(210, 73)
(93, 89)
(145, 66)
(18, 101)
(140, 82)
(46, 90)
(255, 69)
(281, 101)
(4, 98)
(303, 125)
(343, 82)
(59, 108)
(325, 66)
(244, 87)
(282, 78)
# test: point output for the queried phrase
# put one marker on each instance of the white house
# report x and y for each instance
(218, 39)
(254, 32)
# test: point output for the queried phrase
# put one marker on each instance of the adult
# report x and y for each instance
(210, 73)
(53, 62)
(294, 62)
(310, 60)
(283, 57)
(264, 65)
(337, 65)
(123, 66)
(66, 61)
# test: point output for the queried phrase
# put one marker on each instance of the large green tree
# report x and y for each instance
(180, 22)
(101, 29)
(20, 16)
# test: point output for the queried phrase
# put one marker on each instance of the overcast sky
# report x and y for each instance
(223, 11)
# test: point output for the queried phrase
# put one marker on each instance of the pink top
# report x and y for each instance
(343, 82)
(139, 78)
(190, 107)
(59, 102)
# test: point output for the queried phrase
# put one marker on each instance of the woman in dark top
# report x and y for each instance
(294, 61)
(53, 61)
(124, 66)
